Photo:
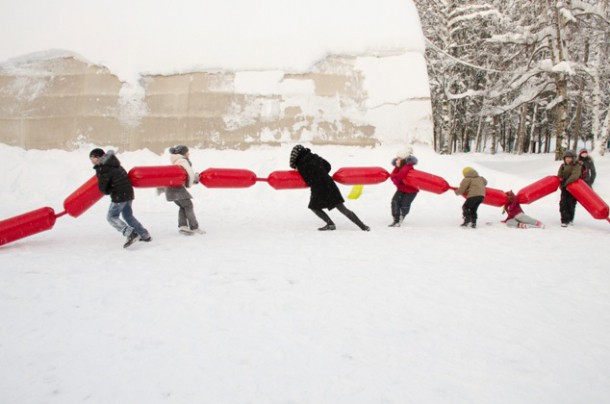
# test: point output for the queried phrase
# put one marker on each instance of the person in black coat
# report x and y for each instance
(588, 167)
(324, 192)
(112, 179)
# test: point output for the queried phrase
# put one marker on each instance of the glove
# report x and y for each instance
(394, 162)
(196, 179)
(563, 183)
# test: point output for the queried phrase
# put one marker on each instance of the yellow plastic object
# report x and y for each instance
(355, 192)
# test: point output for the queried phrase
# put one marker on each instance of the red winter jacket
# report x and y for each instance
(513, 208)
(398, 175)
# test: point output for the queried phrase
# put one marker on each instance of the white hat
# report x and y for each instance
(404, 152)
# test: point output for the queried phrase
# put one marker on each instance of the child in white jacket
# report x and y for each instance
(187, 222)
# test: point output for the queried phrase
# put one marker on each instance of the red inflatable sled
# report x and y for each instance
(157, 176)
(83, 198)
(361, 175)
(27, 224)
(589, 199)
(539, 189)
(426, 182)
(290, 179)
(227, 178)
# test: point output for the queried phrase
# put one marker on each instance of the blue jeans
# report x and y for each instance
(124, 208)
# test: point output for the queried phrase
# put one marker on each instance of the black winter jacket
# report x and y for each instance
(112, 179)
(589, 173)
(314, 170)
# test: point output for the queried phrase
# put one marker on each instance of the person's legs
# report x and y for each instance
(322, 215)
(512, 222)
(127, 213)
(405, 204)
(470, 210)
(567, 205)
(114, 211)
(352, 216)
(395, 206)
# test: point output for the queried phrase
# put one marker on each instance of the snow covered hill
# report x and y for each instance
(264, 308)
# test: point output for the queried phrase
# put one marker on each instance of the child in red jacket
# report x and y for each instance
(516, 217)
(405, 194)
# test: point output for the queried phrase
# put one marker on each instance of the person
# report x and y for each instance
(516, 217)
(588, 167)
(473, 187)
(569, 171)
(405, 194)
(324, 192)
(187, 221)
(112, 179)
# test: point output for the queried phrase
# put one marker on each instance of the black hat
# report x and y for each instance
(294, 154)
(179, 149)
(96, 153)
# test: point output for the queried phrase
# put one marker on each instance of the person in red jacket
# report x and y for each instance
(516, 217)
(405, 194)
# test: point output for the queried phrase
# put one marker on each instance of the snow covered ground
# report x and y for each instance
(266, 309)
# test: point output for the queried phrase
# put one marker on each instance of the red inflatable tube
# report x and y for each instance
(495, 197)
(286, 180)
(227, 178)
(157, 176)
(83, 198)
(539, 189)
(27, 224)
(361, 175)
(426, 182)
(589, 199)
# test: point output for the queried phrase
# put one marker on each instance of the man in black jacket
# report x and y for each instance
(112, 179)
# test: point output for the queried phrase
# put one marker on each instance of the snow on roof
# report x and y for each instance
(162, 37)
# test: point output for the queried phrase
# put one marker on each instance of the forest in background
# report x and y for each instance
(518, 76)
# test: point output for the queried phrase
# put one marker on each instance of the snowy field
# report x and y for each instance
(266, 309)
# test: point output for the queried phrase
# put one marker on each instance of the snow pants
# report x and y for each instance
(186, 214)
(401, 205)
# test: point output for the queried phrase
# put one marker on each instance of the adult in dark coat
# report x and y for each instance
(588, 167)
(324, 192)
(112, 179)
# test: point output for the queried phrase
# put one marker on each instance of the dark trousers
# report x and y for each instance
(341, 208)
(401, 204)
(469, 208)
(186, 214)
(567, 206)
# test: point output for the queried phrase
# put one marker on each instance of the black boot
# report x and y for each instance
(329, 226)
(473, 225)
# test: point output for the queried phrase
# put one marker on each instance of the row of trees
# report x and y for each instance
(518, 75)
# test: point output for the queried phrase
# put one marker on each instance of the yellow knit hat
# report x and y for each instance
(466, 170)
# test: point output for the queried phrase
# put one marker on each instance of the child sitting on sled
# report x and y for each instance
(516, 217)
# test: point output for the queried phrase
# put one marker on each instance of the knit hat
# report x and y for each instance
(294, 154)
(583, 150)
(96, 153)
(569, 153)
(466, 170)
(404, 152)
(179, 149)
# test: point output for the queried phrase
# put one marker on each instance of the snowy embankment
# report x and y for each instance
(264, 308)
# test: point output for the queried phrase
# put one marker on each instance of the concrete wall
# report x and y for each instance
(63, 102)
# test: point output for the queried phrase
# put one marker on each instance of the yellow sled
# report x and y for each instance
(355, 192)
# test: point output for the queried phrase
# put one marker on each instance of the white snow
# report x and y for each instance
(266, 309)
(139, 37)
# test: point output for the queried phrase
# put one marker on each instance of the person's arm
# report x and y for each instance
(104, 181)
(574, 175)
(463, 186)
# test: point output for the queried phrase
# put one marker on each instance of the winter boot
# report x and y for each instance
(540, 225)
(473, 225)
(132, 238)
(328, 227)
(466, 223)
(395, 223)
(185, 230)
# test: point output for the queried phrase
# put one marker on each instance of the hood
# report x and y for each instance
(110, 159)
(471, 173)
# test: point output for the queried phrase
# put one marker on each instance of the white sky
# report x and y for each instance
(140, 36)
